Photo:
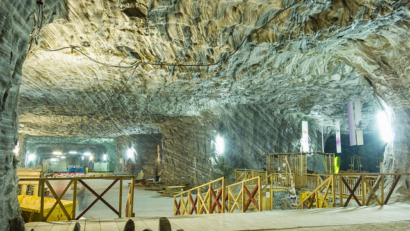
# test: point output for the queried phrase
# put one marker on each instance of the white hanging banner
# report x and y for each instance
(338, 140)
(358, 121)
(305, 137)
(352, 129)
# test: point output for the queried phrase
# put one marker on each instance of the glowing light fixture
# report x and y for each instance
(130, 152)
(220, 145)
(105, 157)
(31, 157)
(62, 157)
(91, 158)
(87, 153)
(383, 120)
(57, 153)
(72, 152)
(54, 159)
(16, 149)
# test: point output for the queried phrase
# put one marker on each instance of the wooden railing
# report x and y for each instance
(75, 181)
(245, 174)
(202, 199)
(245, 195)
(363, 188)
(313, 180)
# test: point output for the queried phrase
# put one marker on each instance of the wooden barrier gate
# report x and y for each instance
(361, 187)
(206, 199)
(74, 181)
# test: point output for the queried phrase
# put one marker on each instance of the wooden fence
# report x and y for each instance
(245, 195)
(362, 188)
(75, 181)
(245, 174)
(205, 198)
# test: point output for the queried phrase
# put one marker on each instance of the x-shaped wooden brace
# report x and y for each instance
(202, 202)
(392, 189)
(226, 201)
(312, 197)
(193, 204)
(185, 204)
(58, 200)
(235, 200)
(373, 191)
(177, 205)
(251, 199)
(99, 197)
(216, 200)
(352, 191)
(324, 197)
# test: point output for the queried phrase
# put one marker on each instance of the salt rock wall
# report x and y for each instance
(13, 44)
(16, 22)
(397, 156)
(187, 149)
(249, 132)
(145, 155)
(22, 145)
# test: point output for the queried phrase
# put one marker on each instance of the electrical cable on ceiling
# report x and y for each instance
(177, 64)
(38, 24)
(136, 64)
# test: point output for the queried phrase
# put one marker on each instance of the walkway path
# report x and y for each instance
(390, 217)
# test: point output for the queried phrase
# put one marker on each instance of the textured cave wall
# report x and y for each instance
(22, 142)
(144, 158)
(397, 155)
(252, 131)
(249, 133)
(16, 22)
(187, 153)
(384, 63)
(14, 36)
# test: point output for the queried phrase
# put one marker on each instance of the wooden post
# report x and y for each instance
(229, 200)
(382, 190)
(209, 201)
(189, 206)
(223, 195)
(333, 191)
(42, 200)
(340, 191)
(35, 190)
(120, 198)
(260, 193)
(243, 197)
(74, 199)
(23, 189)
(132, 196)
(175, 207)
(363, 190)
(271, 192)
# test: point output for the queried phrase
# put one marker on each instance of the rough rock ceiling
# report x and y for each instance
(310, 59)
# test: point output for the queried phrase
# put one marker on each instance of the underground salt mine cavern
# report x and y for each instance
(204, 115)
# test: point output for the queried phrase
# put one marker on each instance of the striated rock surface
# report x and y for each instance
(310, 59)
(143, 155)
(267, 65)
(15, 26)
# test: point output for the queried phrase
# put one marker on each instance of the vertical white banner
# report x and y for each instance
(358, 121)
(352, 128)
(305, 137)
(338, 140)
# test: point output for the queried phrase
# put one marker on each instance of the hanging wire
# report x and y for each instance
(179, 64)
